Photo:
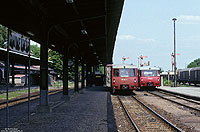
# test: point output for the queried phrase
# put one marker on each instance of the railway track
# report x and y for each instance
(188, 103)
(144, 118)
(24, 99)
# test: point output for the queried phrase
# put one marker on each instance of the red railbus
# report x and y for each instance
(149, 77)
(123, 77)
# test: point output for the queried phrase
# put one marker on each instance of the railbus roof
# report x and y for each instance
(149, 68)
(124, 66)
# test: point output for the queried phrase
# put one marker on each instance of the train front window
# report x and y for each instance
(124, 72)
(133, 73)
(116, 72)
(149, 73)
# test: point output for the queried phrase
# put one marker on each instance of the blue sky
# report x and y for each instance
(146, 28)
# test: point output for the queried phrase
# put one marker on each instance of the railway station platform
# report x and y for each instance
(190, 91)
(85, 111)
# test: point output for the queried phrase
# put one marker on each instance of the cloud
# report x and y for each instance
(126, 37)
(146, 40)
(132, 37)
(184, 19)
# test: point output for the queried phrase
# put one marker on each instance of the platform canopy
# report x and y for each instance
(85, 28)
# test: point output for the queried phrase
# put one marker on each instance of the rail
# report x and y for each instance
(161, 117)
(177, 102)
(127, 113)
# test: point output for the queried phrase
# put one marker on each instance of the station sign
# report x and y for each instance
(19, 43)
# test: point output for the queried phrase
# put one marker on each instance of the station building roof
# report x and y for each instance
(18, 57)
(87, 28)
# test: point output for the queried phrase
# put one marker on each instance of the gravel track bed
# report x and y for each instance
(182, 101)
(145, 120)
(122, 122)
(182, 117)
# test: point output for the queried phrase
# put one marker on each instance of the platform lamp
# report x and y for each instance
(175, 80)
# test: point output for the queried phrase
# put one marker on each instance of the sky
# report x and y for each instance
(146, 28)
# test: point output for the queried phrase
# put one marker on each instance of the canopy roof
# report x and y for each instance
(86, 28)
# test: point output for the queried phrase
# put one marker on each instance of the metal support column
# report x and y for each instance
(87, 76)
(104, 70)
(13, 74)
(83, 76)
(7, 81)
(90, 76)
(175, 81)
(93, 75)
(65, 73)
(44, 102)
(76, 75)
(25, 84)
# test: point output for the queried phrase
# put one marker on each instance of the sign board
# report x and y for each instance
(19, 43)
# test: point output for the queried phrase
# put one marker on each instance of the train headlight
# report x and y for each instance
(158, 79)
(134, 81)
(141, 79)
(113, 80)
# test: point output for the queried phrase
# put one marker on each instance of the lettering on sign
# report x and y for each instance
(19, 43)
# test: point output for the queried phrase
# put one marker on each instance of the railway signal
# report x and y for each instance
(141, 58)
(124, 58)
(173, 60)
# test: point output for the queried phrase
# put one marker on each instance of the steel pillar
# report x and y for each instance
(90, 76)
(13, 74)
(87, 76)
(44, 102)
(65, 73)
(104, 70)
(93, 75)
(76, 76)
(25, 84)
(83, 76)
(175, 80)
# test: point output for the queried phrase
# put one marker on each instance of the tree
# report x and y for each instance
(3, 36)
(57, 63)
(35, 51)
(195, 63)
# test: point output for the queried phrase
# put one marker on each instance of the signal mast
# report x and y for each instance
(124, 58)
(172, 54)
(145, 64)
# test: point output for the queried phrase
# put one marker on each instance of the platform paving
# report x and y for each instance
(86, 111)
(189, 91)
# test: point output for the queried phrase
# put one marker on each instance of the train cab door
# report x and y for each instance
(115, 77)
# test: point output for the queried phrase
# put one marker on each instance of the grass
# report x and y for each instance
(171, 83)
(17, 93)
(165, 82)
(59, 84)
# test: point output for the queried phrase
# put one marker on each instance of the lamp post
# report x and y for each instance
(175, 81)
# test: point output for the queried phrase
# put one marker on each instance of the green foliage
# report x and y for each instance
(101, 69)
(57, 63)
(35, 50)
(195, 63)
(165, 82)
(3, 36)
(71, 73)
